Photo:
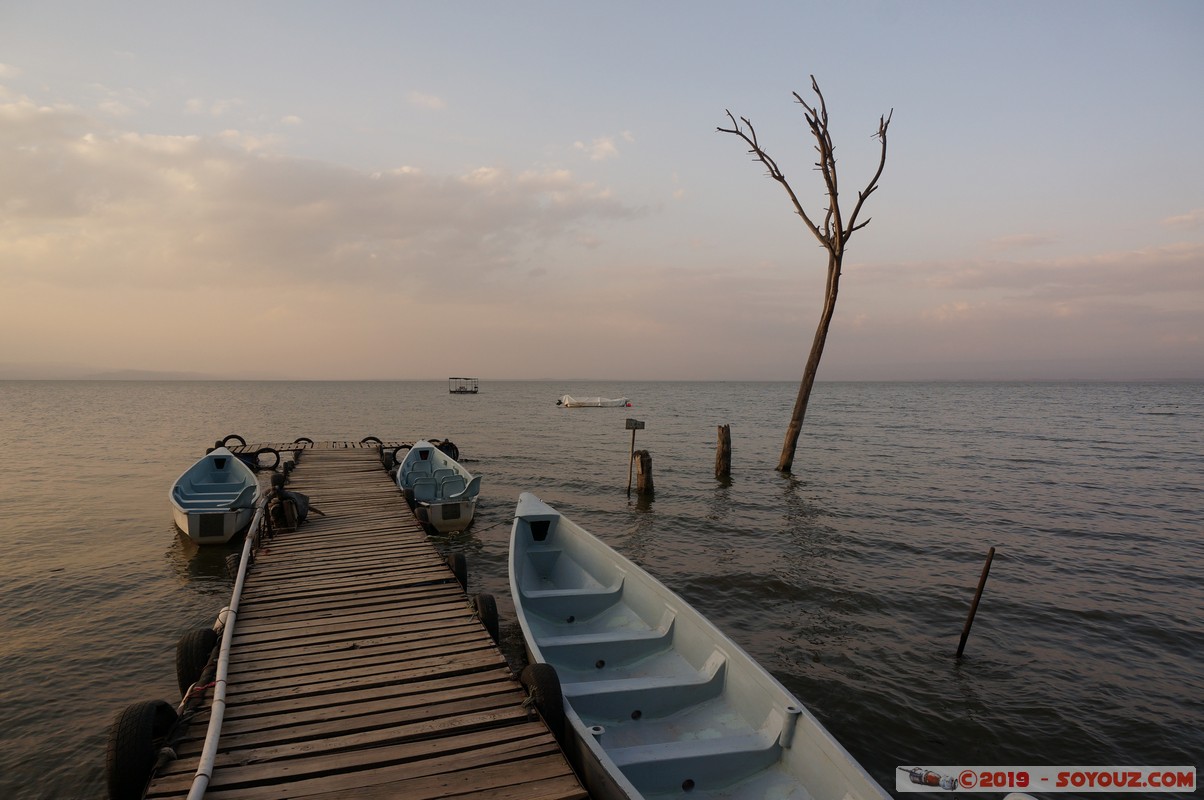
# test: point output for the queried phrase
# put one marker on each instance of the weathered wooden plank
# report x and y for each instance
(352, 774)
(535, 778)
(439, 685)
(301, 661)
(377, 612)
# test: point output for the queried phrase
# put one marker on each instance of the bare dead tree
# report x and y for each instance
(833, 233)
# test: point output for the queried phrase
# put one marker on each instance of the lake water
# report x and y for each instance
(849, 580)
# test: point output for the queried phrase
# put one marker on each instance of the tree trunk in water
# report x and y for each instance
(795, 428)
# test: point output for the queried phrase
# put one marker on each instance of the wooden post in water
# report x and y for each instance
(723, 453)
(633, 425)
(643, 471)
(982, 581)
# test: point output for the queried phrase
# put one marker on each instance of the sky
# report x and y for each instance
(538, 190)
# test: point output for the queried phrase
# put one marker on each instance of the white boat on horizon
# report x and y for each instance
(656, 701)
(569, 401)
(442, 493)
(215, 498)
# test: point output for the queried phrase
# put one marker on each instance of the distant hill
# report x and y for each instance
(73, 372)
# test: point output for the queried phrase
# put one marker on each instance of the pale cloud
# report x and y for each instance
(956, 311)
(599, 149)
(1192, 220)
(249, 142)
(9, 71)
(1022, 241)
(214, 108)
(1155, 270)
(678, 192)
(89, 206)
(423, 100)
(291, 119)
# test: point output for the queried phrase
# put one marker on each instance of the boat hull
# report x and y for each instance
(215, 498)
(212, 527)
(449, 517)
(657, 700)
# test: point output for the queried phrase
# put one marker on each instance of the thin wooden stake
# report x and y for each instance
(982, 581)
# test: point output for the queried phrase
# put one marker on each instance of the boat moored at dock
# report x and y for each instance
(215, 498)
(442, 493)
(656, 700)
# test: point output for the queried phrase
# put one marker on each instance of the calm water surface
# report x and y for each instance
(849, 580)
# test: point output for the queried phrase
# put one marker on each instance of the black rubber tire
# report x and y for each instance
(232, 565)
(303, 440)
(459, 568)
(193, 651)
(241, 441)
(449, 449)
(486, 608)
(367, 439)
(133, 747)
(261, 451)
(543, 687)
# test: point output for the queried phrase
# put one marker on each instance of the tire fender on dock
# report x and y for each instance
(134, 742)
(485, 607)
(543, 692)
(193, 651)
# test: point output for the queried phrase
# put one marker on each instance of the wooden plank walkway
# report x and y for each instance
(359, 668)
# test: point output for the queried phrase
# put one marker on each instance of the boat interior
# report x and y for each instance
(432, 480)
(672, 702)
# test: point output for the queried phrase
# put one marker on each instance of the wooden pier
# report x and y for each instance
(359, 667)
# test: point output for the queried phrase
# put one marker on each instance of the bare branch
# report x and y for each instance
(759, 154)
(883, 125)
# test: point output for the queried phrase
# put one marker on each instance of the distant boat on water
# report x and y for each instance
(568, 401)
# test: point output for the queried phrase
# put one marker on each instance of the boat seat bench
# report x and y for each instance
(705, 763)
(204, 505)
(562, 603)
(215, 486)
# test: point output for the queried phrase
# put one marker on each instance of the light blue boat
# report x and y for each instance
(215, 498)
(657, 701)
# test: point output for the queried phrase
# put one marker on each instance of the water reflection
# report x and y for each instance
(202, 568)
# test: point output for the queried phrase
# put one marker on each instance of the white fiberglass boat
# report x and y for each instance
(215, 498)
(657, 701)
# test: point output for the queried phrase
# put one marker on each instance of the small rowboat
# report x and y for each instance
(568, 401)
(656, 700)
(440, 491)
(215, 498)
